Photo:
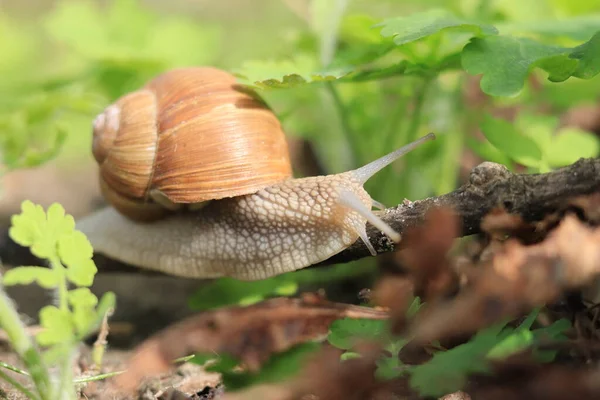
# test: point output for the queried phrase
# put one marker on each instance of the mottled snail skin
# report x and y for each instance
(282, 228)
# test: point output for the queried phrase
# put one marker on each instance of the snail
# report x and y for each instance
(197, 173)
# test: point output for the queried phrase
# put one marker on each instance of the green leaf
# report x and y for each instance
(220, 363)
(450, 369)
(74, 247)
(515, 342)
(540, 128)
(82, 274)
(39, 231)
(287, 73)
(280, 367)
(555, 331)
(488, 152)
(360, 28)
(45, 277)
(82, 297)
(83, 302)
(349, 355)
(80, 17)
(508, 140)
(34, 157)
(577, 28)
(25, 227)
(344, 333)
(388, 368)
(571, 144)
(505, 62)
(228, 291)
(523, 337)
(414, 307)
(359, 42)
(420, 25)
(76, 252)
(588, 55)
(126, 33)
(57, 325)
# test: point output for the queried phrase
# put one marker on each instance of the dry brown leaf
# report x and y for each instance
(251, 334)
(589, 206)
(426, 254)
(517, 279)
(499, 223)
(535, 381)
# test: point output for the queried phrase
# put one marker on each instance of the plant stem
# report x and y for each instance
(395, 124)
(407, 136)
(415, 121)
(13, 369)
(66, 389)
(342, 112)
(4, 376)
(63, 294)
(103, 376)
(453, 144)
(23, 345)
(412, 132)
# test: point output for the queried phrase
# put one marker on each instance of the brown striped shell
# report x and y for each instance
(189, 136)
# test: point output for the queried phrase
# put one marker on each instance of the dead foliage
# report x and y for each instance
(524, 380)
(251, 334)
(426, 254)
(514, 267)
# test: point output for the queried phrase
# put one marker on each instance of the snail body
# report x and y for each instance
(284, 226)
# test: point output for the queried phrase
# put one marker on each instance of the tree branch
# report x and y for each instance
(490, 185)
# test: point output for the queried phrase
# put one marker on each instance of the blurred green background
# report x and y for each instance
(63, 61)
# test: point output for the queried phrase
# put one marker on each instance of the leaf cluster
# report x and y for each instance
(97, 54)
(52, 237)
(534, 141)
(431, 42)
(449, 369)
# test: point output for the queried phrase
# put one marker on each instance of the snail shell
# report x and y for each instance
(189, 136)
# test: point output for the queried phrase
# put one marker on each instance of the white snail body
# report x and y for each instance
(284, 226)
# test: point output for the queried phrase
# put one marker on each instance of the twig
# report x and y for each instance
(100, 343)
(490, 185)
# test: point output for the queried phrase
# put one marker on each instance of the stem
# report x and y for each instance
(345, 122)
(13, 368)
(23, 345)
(101, 376)
(4, 376)
(453, 145)
(100, 343)
(395, 124)
(66, 389)
(63, 293)
(329, 38)
(409, 135)
(415, 121)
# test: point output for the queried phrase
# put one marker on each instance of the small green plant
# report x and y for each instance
(277, 368)
(449, 369)
(51, 236)
(534, 141)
